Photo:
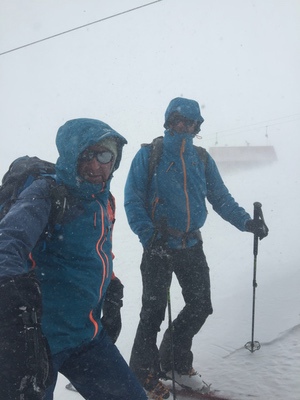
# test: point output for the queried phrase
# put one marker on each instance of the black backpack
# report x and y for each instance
(21, 173)
(156, 149)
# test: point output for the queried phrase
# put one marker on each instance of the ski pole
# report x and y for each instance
(257, 214)
(172, 342)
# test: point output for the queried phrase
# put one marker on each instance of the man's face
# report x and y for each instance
(183, 125)
(95, 164)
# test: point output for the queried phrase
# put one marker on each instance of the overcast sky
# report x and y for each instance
(239, 59)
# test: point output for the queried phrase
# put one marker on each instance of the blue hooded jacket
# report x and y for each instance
(179, 187)
(74, 267)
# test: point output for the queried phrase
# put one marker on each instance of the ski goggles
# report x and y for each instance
(103, 157)
(178, 118)
(175, 118)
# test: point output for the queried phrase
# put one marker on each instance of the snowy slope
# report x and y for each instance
(219, 354)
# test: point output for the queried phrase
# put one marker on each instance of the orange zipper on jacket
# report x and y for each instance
(93, 321)
(33, 263)
(105, 262)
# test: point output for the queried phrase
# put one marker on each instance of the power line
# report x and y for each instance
(78, 27)
(256, 125)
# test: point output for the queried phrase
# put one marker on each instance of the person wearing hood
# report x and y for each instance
(166, 211)
(63, 280)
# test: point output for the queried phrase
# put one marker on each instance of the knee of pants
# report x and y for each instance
(194, 316)
(200, 307)
(200, 315)
(152, 317)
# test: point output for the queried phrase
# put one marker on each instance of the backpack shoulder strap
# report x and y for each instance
(203, 155)
(156, 149)
(59, 203)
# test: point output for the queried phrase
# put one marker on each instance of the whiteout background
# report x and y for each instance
(240, 60)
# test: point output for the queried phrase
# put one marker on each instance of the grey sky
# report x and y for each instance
(239, 59)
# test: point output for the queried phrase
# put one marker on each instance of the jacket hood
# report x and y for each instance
(187, 108)
(71, 140)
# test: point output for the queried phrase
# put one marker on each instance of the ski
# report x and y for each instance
(185, 394)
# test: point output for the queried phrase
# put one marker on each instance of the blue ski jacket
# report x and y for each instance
(175, 199)
(74, 267)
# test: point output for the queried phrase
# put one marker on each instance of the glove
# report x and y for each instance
(158, 248)
(158, 242)
(23, 349)
(111, 318)
(258, 227)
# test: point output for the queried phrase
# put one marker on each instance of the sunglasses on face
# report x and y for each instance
(103, 157)
(178, 118)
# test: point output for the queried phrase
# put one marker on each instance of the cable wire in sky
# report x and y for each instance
(255, 126)
(78, 27)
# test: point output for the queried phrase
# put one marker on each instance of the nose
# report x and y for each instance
(94, 163)
(100, 169)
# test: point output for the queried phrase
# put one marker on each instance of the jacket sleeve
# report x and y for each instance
(136, 202)
(22, 226)
(221, 200)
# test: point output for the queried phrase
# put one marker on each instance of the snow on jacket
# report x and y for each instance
(75, 266)
(177, 193)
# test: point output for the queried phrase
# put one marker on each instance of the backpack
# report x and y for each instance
(156, 153)
(21, 173)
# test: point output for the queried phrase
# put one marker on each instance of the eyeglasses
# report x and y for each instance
(178, 118)
(103, 157)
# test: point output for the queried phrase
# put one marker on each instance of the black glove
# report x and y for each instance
(158, 248)
(158, 244)
(111, 319)
(24, 352)
(258, 227)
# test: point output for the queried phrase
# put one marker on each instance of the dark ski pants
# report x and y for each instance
(192, 272)
(98, 372)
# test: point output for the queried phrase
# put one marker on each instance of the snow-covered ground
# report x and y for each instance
(273, 371)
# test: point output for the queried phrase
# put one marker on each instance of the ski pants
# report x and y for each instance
(192, 272)
(98, 371)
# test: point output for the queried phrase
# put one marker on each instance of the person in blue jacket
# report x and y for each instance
(166, 211)
(55, 287)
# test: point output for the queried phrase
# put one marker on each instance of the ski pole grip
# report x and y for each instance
(256, 215)
(257, 210)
